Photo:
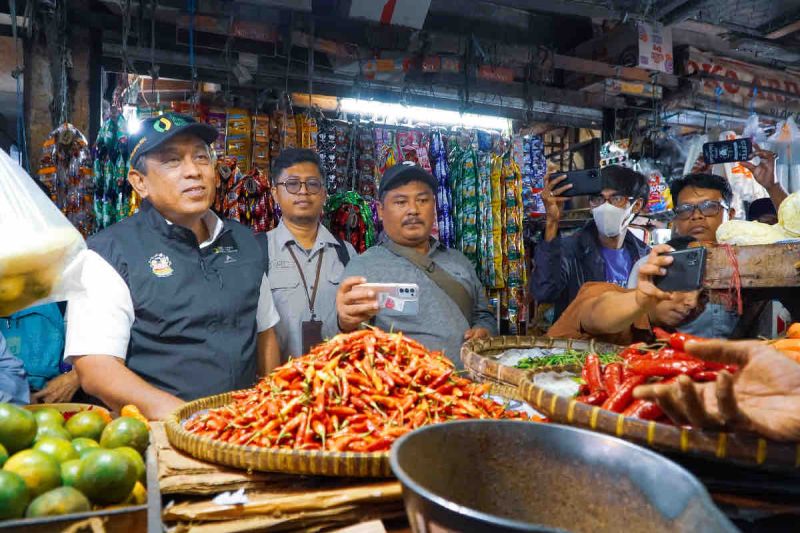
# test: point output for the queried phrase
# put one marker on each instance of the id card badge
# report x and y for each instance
(312, 334)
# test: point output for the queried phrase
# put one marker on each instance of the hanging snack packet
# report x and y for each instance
(40, 247)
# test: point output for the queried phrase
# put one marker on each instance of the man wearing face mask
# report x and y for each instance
(603, 250)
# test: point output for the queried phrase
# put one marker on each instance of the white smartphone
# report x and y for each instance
(396, 298)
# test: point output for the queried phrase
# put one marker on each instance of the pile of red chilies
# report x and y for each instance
(357, 392)
(611, 387)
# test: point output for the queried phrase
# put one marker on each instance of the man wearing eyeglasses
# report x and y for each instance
(305, 261)
(603, 250)
(702, 204)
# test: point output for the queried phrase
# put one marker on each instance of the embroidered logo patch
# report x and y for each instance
(161, 265)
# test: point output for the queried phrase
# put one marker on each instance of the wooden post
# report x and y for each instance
(762, 266)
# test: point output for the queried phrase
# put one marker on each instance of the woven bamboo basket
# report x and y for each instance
(345, 464)
(480, 358)
(742, 449)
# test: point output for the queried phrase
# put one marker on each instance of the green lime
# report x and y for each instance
(51, 431)
(126, 431)
(14, 495)
(69, 472)
(83, 445)
(63, 500)
(48, 415)
(59, 449)
(88, 424)
(135, 458)
(40, 471)
(106, 476)
(17, 427)
(3, 455)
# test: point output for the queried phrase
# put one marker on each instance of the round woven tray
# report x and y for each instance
(341, 464)
(346, 464)
(727, 447)
(480, 357)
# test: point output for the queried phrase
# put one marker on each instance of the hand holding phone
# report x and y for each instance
(584, 182)
(395, 298)
(686, 271)
(728, 151)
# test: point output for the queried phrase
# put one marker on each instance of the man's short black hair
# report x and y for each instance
(295, 156)
(625, 181)
(702, 181)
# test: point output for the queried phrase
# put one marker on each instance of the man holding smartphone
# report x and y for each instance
(452, 302)
(603, 250)
(609, 313)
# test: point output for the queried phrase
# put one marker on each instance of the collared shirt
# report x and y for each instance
(288, 292)
(13, 385)
(146, 297)
(439, 324)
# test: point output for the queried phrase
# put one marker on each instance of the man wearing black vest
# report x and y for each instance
(306, 261)
(177, 303)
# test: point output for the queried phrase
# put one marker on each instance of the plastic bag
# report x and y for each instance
(754, 131)
(659, 199)
(785, 142)
(41, 250)
(695, 150)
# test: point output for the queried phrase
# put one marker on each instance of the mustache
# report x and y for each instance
(411, 220)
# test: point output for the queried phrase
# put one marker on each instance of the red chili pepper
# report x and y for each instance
(441, 379)
(643, 409)
(664, 367)
(618, 401)
(631, 351)
(596, 398)
(612, 377)
(661, 334)
(592, 376)
(705, 375)
(678, 340)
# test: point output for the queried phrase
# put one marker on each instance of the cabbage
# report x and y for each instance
(789, 215)
(744, 233)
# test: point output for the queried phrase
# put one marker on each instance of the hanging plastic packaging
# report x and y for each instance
(785, 142)
(39, 259)
(753, 130)
(695, 150)
(744, 186)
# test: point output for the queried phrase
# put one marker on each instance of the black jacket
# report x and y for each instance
(563, 265)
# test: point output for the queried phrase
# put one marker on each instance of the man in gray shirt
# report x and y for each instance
(306, 261)
(408, 209)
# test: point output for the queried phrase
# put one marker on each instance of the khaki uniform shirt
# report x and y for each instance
(287, 286)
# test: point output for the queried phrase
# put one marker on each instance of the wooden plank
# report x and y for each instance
(587, 66)
(772, 265)
(784, 31)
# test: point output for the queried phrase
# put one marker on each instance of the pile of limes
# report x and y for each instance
(53, 467)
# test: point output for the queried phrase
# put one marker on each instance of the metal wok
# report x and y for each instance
(486, 475)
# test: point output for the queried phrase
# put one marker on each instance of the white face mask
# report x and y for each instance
(611, 220)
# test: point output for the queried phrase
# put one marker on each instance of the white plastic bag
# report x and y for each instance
(753, 130)
(785, 142)
(695, 150)
(40, 251)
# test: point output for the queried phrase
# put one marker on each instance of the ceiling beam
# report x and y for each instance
(484, 98)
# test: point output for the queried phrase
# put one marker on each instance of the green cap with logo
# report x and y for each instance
(155, 131)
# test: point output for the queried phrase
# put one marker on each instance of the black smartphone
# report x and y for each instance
(686, 271)
(584, 182)
(728, 151)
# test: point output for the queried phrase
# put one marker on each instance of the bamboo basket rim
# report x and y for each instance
(726, 447)
(316, 462)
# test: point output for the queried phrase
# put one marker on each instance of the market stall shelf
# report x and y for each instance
(758, 266)
(726, 447)
(348, 464)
